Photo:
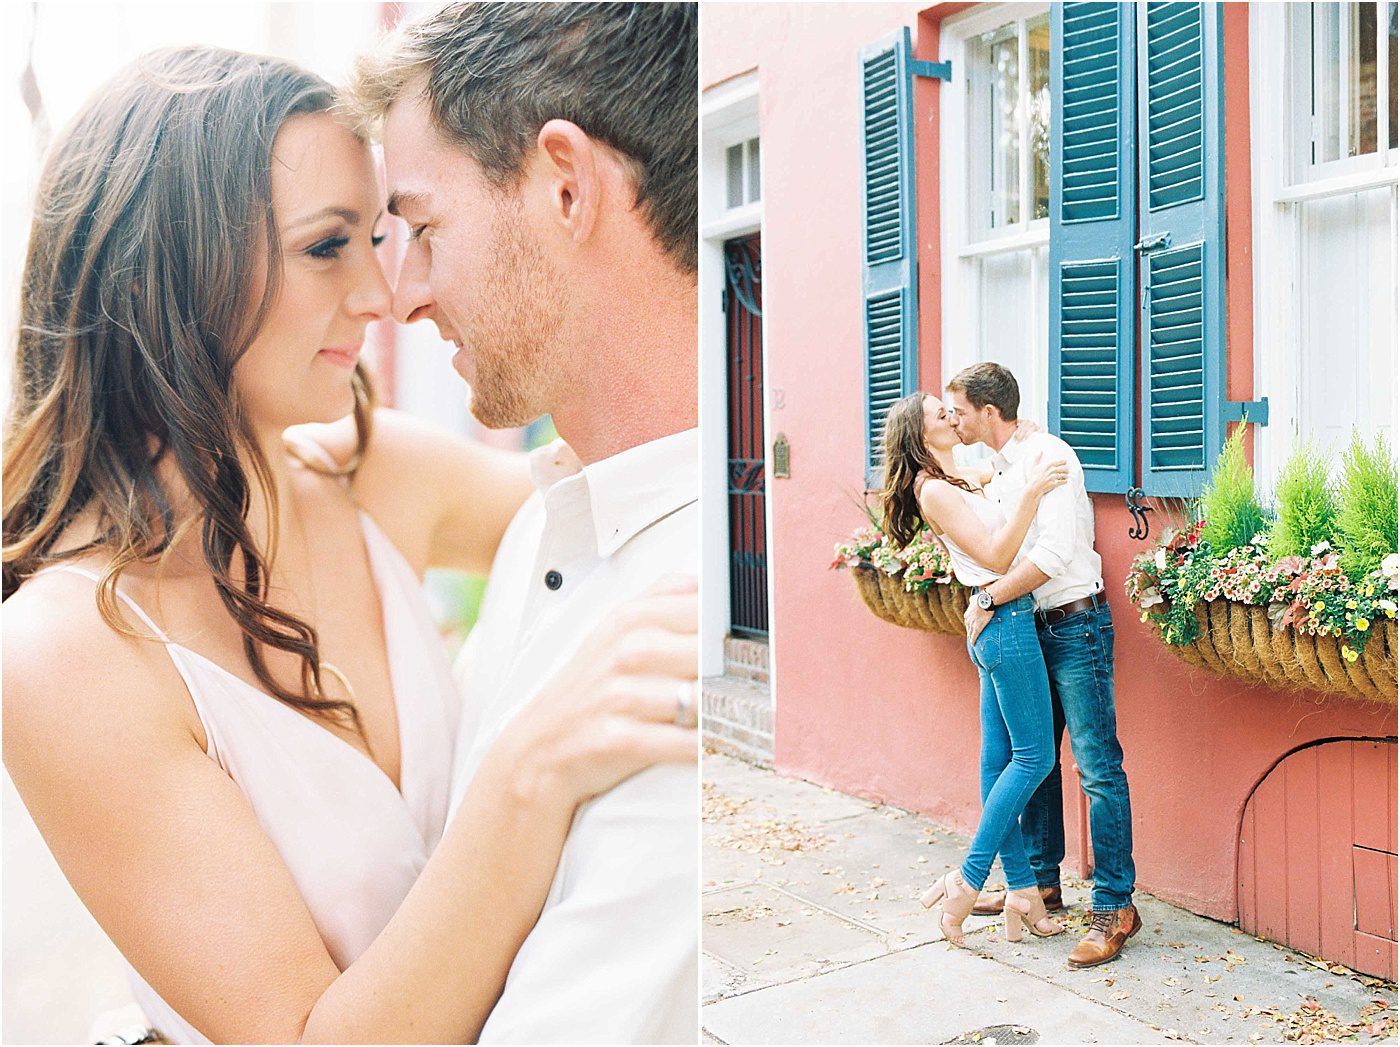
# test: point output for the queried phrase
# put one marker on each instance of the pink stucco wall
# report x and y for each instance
(891, 714)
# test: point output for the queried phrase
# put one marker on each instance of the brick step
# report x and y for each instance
(738, 718)
(746, 659)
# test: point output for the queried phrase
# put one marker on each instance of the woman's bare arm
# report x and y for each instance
(165, 851)
(944, 507)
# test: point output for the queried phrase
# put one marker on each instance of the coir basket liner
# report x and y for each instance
(1237, 640)
(938, 609)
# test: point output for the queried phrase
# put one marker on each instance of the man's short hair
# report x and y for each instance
(493, 74)
(989, 383)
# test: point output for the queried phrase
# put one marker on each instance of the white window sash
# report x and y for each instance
(1277, 147)
(962, 253)
(1306, 170)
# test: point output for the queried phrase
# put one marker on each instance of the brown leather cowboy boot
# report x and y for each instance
(1107, 935)
(991, 903)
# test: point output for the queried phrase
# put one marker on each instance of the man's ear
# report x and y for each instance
(573, 177)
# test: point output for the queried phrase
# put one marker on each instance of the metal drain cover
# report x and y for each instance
(998, 1034)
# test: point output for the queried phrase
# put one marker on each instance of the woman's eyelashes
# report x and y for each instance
(329, 247)
(333, 245)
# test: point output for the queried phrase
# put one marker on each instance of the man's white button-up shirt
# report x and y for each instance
(1061, 539)
(614, 956)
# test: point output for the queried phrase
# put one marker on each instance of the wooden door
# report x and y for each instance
(1317, 857)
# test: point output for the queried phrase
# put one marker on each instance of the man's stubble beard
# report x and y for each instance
(513, 333)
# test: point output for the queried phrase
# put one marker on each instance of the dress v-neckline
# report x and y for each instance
(394, 692)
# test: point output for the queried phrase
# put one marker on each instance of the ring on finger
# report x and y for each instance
(685, 703)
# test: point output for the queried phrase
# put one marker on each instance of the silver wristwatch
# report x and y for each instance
(984, 600)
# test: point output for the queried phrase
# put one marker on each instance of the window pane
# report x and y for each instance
(995, 153)
(734, 171)
(1006, 317)
(1347, 299)
(1038, 77)
(1326, 72)
(754, 193)
(1362, 72)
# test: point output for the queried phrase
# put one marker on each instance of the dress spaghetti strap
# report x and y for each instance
(96, 579)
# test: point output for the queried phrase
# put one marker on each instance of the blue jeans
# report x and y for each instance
(1079, 657)
(1017, 742)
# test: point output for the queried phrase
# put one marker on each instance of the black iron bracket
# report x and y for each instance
(1139, 530)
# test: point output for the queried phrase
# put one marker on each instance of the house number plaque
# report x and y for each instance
(782, 458)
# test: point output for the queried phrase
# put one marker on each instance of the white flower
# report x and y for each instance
(1390, 567)
(1161, 559)
(1321, 547)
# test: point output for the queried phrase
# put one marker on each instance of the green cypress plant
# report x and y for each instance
(1233, 515)
(1366, 510)
(1305, 504)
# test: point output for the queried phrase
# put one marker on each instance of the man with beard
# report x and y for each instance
(1058, 565)
(544, 158)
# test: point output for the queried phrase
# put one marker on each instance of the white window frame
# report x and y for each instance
(962, 254)
(1349, 171)
(1277, 192)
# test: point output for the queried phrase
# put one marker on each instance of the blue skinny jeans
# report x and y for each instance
(1017, 740)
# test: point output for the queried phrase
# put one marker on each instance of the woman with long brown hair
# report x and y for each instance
(225, 703)
(923, 485)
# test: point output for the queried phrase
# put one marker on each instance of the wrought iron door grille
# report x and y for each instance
(748, 536)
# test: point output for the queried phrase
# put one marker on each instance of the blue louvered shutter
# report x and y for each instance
(888, 261)
(1092, 227)
(1181, 194)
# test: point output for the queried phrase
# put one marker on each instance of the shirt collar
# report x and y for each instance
(1011, 452)
(631, 490)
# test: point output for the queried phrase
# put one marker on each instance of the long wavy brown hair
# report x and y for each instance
(906, 456)
(139, 295)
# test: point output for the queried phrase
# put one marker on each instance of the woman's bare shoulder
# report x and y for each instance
(67, 671)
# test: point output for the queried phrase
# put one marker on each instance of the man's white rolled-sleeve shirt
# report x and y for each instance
(614, 957)
(1061, 537)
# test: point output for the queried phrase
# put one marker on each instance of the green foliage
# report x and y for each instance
(1304, 503)
(1366, 511)
(1232, 514)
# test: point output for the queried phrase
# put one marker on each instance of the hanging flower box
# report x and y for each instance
(911, 587)
(938, 609)
(1238, 640)
(1261, 595)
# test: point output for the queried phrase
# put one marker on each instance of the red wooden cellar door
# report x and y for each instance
(1317, 861)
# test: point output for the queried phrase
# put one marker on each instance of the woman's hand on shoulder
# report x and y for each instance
(1042, 476)
(613, 709)
(442, 499)
(1026, 427)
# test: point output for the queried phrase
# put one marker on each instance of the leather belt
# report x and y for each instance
(1059, 614)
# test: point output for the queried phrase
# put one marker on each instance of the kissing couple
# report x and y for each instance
(1019, 530)
(226, 705)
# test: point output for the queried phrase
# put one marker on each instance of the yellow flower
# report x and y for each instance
(1348, 653)
(1351, 605)
(1319, 606)
(1363, 624)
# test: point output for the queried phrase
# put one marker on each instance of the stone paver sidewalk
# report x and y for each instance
(813, 934)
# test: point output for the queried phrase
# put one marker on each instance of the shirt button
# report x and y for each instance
(553, 580)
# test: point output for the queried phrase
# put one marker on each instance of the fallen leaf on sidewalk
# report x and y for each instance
(1120, 995)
